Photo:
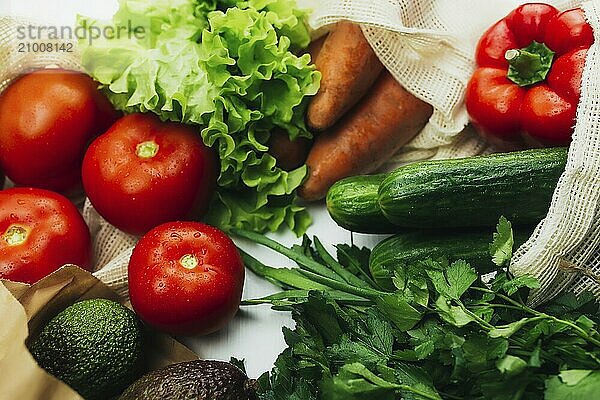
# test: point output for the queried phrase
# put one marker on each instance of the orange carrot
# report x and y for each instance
(349, 67)
(314, 48)
(369, 135)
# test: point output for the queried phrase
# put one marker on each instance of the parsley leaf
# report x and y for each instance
(511, 365)
(501, 248)
(356, 382)
(453, 315)
(399, 311)
(350, 351)
(416, 378)
(573, 385)
(453, 281)
(512, 286)
(412, 283)
(508, 330)
(438, 332)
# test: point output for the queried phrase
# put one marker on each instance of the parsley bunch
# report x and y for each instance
(442, 334)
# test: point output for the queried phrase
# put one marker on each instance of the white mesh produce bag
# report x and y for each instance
(564, 249)
(112, 250)
(16, 59)
(428, 45)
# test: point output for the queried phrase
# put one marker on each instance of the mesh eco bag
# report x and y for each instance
(14, 62)
(564, 249)
(428, 46)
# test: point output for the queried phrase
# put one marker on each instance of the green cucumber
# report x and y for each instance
(353, 204)
(474, 191)
(408, 249)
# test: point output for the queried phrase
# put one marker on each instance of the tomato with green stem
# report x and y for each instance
(144, 172)
(186, 278)
(40, 231)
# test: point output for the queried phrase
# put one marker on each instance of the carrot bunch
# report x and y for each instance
(361, 113)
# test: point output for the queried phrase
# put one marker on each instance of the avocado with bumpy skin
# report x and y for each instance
(193, 380)
(94, 346)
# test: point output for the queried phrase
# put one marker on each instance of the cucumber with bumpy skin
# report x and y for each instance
(409, 249)
(474, 191)
(353, 204)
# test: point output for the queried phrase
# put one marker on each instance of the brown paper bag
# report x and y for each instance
(25, 309)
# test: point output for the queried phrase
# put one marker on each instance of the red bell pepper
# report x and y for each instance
(528, 78)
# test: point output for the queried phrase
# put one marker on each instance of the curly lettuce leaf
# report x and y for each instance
(228, 68)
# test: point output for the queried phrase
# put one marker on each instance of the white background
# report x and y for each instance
(255, 333)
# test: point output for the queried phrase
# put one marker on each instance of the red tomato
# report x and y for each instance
(47, 118)
(40, 231)
(143, 172)
(186, 278)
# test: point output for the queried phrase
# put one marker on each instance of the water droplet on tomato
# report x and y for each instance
(197, 235)
(176, 236)
(160, 286)
(21, 202)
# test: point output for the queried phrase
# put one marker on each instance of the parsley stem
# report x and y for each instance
(282, 277)
(487, 326)
(593, 357)
(507, 306)
(519, 351)
(519, 394)
(302, 260)
(471, 314)
(344, 287)
(337, 267)
(518, 305)
(295, 296)
(580, 332)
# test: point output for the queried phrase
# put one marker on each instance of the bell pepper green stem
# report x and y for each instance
(526, 63)
(529, 65)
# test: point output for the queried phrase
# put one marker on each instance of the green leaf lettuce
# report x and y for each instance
(228, 68)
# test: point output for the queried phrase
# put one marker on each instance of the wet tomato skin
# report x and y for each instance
(40, 231)
(47, 119)
(186, 278)
(144, 172)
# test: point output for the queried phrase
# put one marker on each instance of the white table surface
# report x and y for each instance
(255, 333)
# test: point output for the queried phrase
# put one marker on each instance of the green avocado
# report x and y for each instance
(94, 346)
(193, 380)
